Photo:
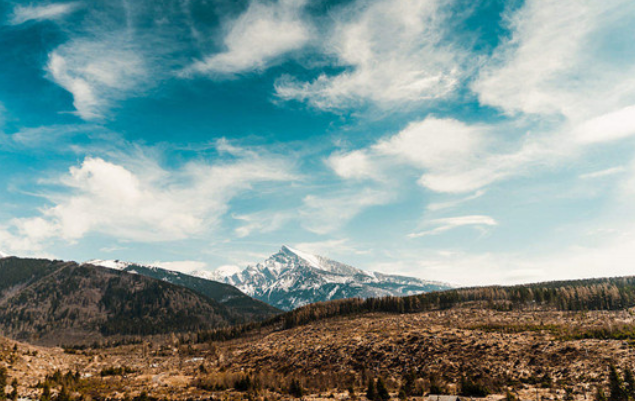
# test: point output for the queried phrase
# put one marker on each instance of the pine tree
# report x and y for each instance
(616, 385)
(382, 391)
(46, 392)
(371, 394)
(295, 389)
(408, 384)
(351, 393)
(629, 381)
(3, 383)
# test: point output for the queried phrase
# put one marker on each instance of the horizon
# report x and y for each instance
(192, 271)
(473, 144)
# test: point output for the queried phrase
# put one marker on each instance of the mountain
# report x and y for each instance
(293, 278)
(56, 302)
(251, 309)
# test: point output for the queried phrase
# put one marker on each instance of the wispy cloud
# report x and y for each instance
(603, 173)
(323, 214)
(455, 202)
(450, 223)
(22, 14)
(331, 248)
(98, 73)
(261, 222)
(393, 53)
(257, 38)
(558, 60)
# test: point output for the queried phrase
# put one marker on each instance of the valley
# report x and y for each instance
(528, 354)
(131, 332)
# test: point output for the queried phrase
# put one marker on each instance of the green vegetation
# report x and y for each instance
(471, 387)
(64, 383)
(116, 371)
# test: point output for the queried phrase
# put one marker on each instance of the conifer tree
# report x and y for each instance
(408, 384)
(629, 381)
(295, 389)
(371, 394)
(46, 392)
(616, 385)
(382, 391)
(3, 383)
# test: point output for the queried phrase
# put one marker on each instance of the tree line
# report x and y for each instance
(578, 295)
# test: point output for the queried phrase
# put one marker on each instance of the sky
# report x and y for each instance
(472, 142)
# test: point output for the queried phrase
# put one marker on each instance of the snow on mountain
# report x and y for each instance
(292, 278)
(221, 272)
(111, 264)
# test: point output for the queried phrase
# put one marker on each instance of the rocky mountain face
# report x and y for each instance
(250, 308)
(64, 303)
(293, 278)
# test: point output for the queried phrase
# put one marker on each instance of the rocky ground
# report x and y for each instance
(533, 355)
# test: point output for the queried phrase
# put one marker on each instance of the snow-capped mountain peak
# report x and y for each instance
(291, 278)
(312, 260)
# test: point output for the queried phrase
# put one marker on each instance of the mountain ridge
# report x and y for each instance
(53, 302)
(223, 293)
(292, 278)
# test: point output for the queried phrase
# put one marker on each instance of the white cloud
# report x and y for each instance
(328, 213)
(454, 157)
(561, 60)
(261, 222)
(140, 201)
(329, 248)
(450, 223)
(98, 73)
(604, 173)
(356, 165)
(182, 266)
(608, 127)
(393, 52)
(22, 14)
(452, 203)
(434, 143)
(450, 153)
(263, 33)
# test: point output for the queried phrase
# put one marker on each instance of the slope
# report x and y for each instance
(225, 294)
(54, 302)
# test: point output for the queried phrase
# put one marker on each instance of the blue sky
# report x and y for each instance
(467, 141)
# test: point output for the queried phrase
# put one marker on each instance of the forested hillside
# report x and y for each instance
(251, 309)
(54, 302)
(577, 295)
